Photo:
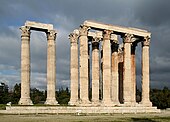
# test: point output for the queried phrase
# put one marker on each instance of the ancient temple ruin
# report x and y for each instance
(98, 62)
(25, 61)
(112, 67)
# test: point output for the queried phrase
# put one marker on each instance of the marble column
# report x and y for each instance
(133, 67)
(145, 73)
(115, 76)
(51, 68)
(74, 67)
(25, 67)
(95, 71)
(84, 65)
(127, 77)
(106, 68)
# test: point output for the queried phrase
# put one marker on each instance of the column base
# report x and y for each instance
(116, 102)
(107, 103)
(25, 101)
(84, 103)
(73, 102)
(96, 103)
(146, 103)
(51, 102)
(129, 104)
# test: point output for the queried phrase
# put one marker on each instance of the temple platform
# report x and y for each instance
(76, 110)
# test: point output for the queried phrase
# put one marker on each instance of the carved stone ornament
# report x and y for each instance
(73, 37)
(83, 30)
(51, 35)
(146, 41)
(128, 38)
(107, 34)
(25, 31)
(114, 38)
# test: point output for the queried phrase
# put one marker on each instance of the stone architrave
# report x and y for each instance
(107, 69)
(145, 73)
(95, 70)
(127, 80)
(74, 67)
(25, 67)
(84, 65)
(51, 68)
(133, 67)
(115, 75)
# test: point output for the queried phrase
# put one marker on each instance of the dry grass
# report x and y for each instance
(160, 117)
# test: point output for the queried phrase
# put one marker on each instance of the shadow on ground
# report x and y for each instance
(142, 120)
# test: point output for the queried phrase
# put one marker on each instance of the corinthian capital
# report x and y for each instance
(128, 38)
(25, 31)
(83, 30)
(74, 36)
(51, 35)
(107, 34)
(114, 38)
(146, 41)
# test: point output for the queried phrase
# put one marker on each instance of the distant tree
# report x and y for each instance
(4, 95)
(160, 98)
(16, 93)
(63, 96)
(37, 96)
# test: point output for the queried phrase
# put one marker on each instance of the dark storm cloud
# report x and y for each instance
(66, 15)
(153, 12)
(80, 10)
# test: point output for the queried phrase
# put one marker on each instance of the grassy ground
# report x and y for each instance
(2, 106)
(160, 117)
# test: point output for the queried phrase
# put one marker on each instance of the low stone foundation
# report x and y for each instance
(76, 110)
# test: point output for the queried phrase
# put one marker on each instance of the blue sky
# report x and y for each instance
(67, 15)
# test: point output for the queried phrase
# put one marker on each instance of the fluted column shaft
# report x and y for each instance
(51, 68)
(25, 67)
(73, 68)
(106, 69)
(83, 65)
(115, 76)
(95, 70)
(127, 80)
(145, 73)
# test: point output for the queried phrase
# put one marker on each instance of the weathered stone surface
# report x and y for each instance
(97, 34)
(124, 30)
(25, 67)
(107, 69)
(145, 72)
(76, 110)
(51, 68)
(74, 67)
(95, 71)
(115, 75)
(84, 65)
(37, 25)
(127, 80)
